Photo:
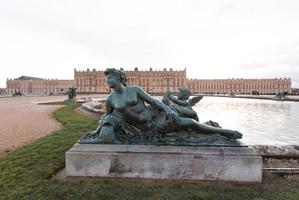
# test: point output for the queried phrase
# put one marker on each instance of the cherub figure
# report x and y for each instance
(182, 104)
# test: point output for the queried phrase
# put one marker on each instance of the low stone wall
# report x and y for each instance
(95, 106)
(279, 152)
(281, 160)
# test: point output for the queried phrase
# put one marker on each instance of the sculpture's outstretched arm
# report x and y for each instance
(179, 102)
(152, 101)
(195, 100)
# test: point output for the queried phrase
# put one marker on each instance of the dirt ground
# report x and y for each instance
(22, 120)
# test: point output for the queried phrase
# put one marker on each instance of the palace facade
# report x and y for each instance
(240, 86)
(158, 81)
(37, 86)
(152, 81)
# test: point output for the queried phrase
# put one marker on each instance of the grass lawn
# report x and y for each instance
(27, 173)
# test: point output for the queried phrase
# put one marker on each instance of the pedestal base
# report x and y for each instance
(165, 162)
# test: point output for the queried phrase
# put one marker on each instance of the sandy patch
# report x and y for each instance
(22, 120)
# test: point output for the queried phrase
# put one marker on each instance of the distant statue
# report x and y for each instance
(17, 93)
(132, 113)
(255, 92)
(182, 104)
(281, 96)
(71, 93)
(231, 94)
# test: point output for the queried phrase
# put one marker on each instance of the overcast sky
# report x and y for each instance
(211, 38)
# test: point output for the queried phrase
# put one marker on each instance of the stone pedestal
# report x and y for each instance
(164, 162)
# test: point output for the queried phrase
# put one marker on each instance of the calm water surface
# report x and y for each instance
(260, 121)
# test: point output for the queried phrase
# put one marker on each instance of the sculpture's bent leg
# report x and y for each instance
(187, 123)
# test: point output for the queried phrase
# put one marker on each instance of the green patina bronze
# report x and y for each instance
(71, 96)
(181, 104)
(134, 117)
(71, 93)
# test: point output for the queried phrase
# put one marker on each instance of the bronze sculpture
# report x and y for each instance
(182, 104)
(71, 93)
(132, 113)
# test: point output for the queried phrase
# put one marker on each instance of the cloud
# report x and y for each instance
(213, 39)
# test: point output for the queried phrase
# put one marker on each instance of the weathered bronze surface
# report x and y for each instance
(181, 104)
(134, 117)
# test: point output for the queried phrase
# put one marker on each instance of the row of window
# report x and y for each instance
(228, 82)
(130, 81)
(240, 86)
(38, 91)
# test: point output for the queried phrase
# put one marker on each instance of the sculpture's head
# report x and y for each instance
(184, 93)
(115, 77)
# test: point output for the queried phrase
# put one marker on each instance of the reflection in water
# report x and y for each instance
(260, 121)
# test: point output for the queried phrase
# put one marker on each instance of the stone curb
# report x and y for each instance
(279, 152)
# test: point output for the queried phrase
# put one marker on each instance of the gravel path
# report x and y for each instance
(22, 120)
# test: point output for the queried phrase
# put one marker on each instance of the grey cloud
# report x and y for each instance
(164, 34)
(226, 8)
